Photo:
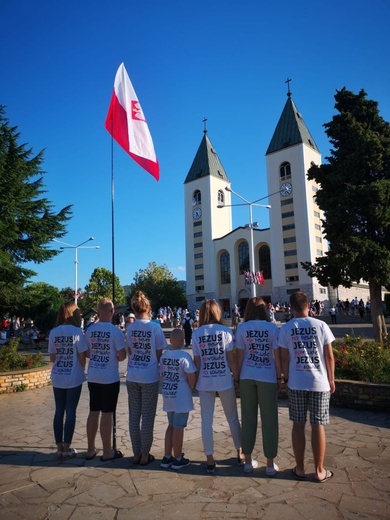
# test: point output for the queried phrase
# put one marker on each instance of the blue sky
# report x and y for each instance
(220, 59)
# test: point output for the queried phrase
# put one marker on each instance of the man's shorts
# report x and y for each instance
(178, 420)
(300, 401)
(102, 397)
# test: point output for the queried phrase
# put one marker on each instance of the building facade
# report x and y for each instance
(231, 265)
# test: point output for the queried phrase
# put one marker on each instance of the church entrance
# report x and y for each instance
(225, 306)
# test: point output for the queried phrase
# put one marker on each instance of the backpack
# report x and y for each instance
(187, 324)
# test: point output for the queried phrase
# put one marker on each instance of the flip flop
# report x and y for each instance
(91, 457)
(151, 459)
(328, 474)
(297, 477)
(117, 455)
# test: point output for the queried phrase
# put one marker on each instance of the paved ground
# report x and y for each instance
(33, 484)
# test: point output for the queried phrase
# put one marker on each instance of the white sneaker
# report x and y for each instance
(248, 468)
(272, 470)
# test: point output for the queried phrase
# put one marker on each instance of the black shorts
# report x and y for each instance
(102, 397)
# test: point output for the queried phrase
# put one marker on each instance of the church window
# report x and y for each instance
(288, 214)
(199, 266)
(221, 197)
(288, 226)
(285, 170)
(199, 277)
(288, 240)
(291, 266)
(198, 234)
(199, 288)
(243, 256)
(292, 278)
(265, 262)
(224, 262)
(197, 223)
(196, 198)
(293, 252)
(286, 202)
(198, 244)
(198, 255)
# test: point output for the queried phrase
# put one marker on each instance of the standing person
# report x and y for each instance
(212, 345)
(187, 327)
(333, 315)
(67, 349)
(145, 341)
(106, 346)
(258, 359)
(308, 367)
(178, 379)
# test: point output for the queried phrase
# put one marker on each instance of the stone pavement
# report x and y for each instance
(33, 484)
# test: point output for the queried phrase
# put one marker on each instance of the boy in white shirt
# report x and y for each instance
(179, 377)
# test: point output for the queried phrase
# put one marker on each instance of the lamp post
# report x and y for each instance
(251, 226)
(76, 261)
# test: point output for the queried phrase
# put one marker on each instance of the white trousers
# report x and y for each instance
(229, 405)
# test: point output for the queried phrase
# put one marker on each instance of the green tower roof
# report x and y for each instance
(206, 163)
(290, 130)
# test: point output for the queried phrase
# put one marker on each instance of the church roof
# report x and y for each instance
(290, 130)
(206, 163)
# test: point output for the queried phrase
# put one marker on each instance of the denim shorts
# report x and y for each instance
(178, 420)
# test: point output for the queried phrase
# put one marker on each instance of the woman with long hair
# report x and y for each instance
(258, 358)
(145, 341)
(67, 349)
(212, 345)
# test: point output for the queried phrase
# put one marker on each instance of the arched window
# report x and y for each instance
(224, 262)
(285, 170)
(243, 256)
(265, 262)
(221, 197)
(196, 198)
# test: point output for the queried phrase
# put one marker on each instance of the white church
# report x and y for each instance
(232, 265)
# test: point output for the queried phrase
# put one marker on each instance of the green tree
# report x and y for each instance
(27, 223)
(355, 197)
(100, 286)
(159, 284)
(41, 302)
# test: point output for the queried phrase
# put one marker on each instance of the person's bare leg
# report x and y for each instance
(299, 443)
(168, 441)
(105, 433)
(177, 442)
(318, 444)
(92, 428)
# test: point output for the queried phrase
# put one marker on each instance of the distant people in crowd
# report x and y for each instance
(212, 345)
(178, 379)
(258, 359)
(106, 348)
(308, 368)
(146, 342)
(67, 348)
(235, 316)
(333, 315)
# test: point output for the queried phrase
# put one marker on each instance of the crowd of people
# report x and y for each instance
(298, 354)
(24, 329)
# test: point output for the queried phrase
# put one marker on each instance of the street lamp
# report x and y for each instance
(251, 226)
(76, 262)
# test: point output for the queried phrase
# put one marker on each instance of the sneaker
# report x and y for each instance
(248, 468)
(210, 468)
(69, 454)
(167, 462)
(272, 470)
(182, 463)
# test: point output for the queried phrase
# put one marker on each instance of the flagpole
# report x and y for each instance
(113, 264)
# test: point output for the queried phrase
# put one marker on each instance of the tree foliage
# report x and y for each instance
(355, 197)
(159, 284)
(41, 303)
(28, 223)
(100, 286)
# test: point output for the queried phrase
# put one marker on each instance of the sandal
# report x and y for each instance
(151, 459)
(297, 477)
(328, 474)
(91, 457)
(117, 455)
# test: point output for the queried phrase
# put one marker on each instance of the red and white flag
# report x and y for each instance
(127, 124)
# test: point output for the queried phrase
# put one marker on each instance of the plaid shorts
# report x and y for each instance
(316, 402)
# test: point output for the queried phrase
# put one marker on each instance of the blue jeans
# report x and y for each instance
(66, 400)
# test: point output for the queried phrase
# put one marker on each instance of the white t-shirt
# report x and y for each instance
(176, 392)
(104, 341)
(210, 343)
(259, 338)
(66, 341)
(305, 339)
(144, 338)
